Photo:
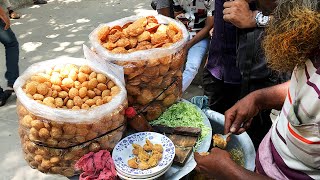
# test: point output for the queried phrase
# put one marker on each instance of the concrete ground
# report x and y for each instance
(56, 29)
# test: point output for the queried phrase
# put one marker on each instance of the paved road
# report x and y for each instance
(56, 29)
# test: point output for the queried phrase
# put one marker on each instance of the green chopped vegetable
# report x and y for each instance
(183, 114)
(237, 156)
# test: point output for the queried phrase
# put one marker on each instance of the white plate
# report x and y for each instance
(139, 177)
(123, 152)
(150, 178)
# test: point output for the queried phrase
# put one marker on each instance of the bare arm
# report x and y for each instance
(239, 117)
(4, 18)
(203, 33)
(272, 97)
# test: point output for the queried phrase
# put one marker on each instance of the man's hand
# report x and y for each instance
(239, 117)
(239, 14)
(219, 165)
(213, 164)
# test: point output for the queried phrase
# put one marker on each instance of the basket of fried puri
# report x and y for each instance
(68, 107)
(152, 52)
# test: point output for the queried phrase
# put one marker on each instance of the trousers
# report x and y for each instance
(10, 42)
(195, 56)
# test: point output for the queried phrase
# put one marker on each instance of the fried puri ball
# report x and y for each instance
(144, 45)
(109, 45)
(116, 34)
(169, 100)
(133, 42)
(145, 97)
(119, 50)
(145, 36)
(133, 90)
(133, 163)
(123, 42)
(153, 112)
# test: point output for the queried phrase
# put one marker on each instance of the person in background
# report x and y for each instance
(10, 42)
(197, 16)
(221, 76)
(250, 60)
(291, 149)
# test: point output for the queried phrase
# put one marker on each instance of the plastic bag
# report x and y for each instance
(63, 128)
(148, 73)
(62, 161)
(143, 54)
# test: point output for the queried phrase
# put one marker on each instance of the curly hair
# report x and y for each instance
(292, 34)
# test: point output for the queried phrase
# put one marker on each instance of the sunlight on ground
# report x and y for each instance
(31, 46)
(73, 49)
(52, 21)
(69, 1)
(112, 2)
(11, 160)
(16, 23)
(32, 20)
(36, 58)
(34, 7)
(61, 26)
(83, 20)
(52, 36)
(78, 42)
(70, 35)
(25, 34)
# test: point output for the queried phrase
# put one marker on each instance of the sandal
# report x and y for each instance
(4, 96)
(14, 15)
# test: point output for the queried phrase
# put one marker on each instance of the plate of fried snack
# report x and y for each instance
(143, 155)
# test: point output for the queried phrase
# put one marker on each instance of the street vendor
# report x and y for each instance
(197, 16)
(291, 148)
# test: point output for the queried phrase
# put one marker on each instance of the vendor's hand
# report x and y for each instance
(239, 14)
(213, 164)
(239, 117)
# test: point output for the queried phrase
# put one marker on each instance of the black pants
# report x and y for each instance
(9, 40)
(222, 96)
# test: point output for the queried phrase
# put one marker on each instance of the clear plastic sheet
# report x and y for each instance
(150, 75)
(62, 161)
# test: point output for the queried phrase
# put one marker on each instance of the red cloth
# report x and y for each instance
(97, 166)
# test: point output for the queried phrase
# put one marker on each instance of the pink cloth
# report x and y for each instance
(97, 166)
(265, 160)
